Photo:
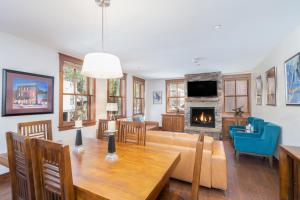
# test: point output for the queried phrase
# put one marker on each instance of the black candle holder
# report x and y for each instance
(111, 148)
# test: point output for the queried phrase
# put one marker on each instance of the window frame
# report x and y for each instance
(235, 78)
(168, 82)
(91, 97)
(140, 80)
(123, 98)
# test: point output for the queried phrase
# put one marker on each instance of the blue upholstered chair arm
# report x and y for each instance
(243, 134)
(231, 127)
(251, 145)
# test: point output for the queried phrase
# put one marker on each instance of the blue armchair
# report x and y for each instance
(263, 145)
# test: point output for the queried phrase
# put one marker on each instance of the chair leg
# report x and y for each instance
(237, 155)
(271, 161)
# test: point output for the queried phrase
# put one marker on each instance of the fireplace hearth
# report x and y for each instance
(203, 117)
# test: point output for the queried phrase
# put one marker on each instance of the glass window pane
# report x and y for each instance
(181, 104)
(68, 79)
(137, 90)
(242, 87)
(181, 89)
(81, 83)
(114, 87)
(142, 91)
(229, 104)
(242, 101)
(81, 112)
(172, 104)
(91, 85)
(229, 88)
(68, 108)
(173, 89)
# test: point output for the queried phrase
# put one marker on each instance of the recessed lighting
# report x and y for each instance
(218, 27)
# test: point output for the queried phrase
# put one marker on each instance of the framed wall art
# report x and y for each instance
(26, 93)
(271, 86)
(292, 77)
(259, 90)
(157, 97)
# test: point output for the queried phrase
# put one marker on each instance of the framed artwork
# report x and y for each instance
(259, 90)
(157, 97)
(271, 86)
(26, 93)
(292, 73)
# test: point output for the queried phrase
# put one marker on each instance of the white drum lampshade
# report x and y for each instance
(102, 65)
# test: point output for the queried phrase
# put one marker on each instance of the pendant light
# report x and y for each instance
(102, 65)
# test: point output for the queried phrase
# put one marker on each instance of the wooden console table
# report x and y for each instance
(289, 172)
(173, 122)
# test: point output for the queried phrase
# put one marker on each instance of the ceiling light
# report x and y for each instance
(100, 64)
(218, 26)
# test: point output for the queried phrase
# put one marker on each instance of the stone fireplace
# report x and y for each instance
(203, 117)
(210, 122)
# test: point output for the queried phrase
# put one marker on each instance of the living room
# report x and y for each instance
(175, 71)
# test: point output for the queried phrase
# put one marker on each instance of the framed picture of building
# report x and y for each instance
(292, 77)
(26, 93)
(271, 86)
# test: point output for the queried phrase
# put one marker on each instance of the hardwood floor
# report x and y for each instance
(250, 178)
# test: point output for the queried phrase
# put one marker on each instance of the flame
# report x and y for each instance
(202, 118)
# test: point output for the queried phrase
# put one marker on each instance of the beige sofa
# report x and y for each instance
(214, 166)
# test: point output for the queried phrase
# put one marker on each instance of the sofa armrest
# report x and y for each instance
(244, 134)
(219, 172)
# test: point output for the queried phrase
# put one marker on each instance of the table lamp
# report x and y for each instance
(111, 108)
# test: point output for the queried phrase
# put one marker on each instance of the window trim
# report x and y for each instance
(122, 97)
(167, 94)
(235, 78)
(137, 79)
(92, 104)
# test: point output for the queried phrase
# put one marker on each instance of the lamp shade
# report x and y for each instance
(112, 107)
(102, 65)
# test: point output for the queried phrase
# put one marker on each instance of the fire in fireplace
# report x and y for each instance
(203, 117)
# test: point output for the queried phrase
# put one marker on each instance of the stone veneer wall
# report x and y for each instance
(216, 102)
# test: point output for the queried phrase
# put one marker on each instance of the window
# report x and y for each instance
(138, 96)
(175, 95)
(76, 95)
(237, 93)
(116, 93)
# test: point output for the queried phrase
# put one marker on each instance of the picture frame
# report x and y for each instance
(157, 97)
(292, 80)
(271, 86)
(26, 93)
(259, 90)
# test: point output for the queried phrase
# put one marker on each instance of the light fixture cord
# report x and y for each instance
(102, 27)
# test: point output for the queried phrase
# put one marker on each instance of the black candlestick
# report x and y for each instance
(78, 140)
(111, 143)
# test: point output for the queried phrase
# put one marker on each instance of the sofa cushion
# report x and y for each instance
(208, 143)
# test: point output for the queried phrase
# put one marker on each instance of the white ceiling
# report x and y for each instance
(158, 38)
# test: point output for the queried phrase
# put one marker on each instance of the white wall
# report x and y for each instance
(288, 117)
(154, 111)
(21, 55)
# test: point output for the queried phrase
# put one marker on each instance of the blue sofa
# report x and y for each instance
(263, 144)
(257, 123)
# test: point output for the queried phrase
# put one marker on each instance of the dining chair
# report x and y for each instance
(132, 132)
(169, 195)
(52, 170)
(36, 129)
(102, 127)
(19, 158)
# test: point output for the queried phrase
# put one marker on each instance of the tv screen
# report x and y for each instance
(202, 89)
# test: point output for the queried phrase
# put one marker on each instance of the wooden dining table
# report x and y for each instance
(140, 172)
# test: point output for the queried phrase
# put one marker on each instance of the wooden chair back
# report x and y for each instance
(197, 167)
(132, 132)
(52, 170)
(19, 158)
(102, 127)
(36, 129)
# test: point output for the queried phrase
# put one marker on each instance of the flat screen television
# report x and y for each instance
(202, 89)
